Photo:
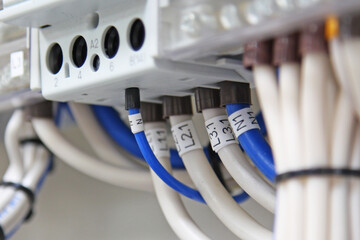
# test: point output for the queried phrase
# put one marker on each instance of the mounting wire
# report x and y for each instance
(170, 201)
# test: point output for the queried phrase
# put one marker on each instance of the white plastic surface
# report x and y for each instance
(37, 13)
(155, 77)
(193, 29)
(14, 59)
(15, 68)
(191, 32)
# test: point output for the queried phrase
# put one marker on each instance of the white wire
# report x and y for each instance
(354, 209)
(103, 146)
(32, 178)
(170, 202)
(344, 214)
(351, 50)
(343, 129)
(268, 96)
(242, 171)
(266, 88)
(15, 171)
(16, 168)
(331, 102)
(107, 150)
(28, 152)
(216, 196)
(15, 212)
(315, 70)
(289, 86)
(55, 141)
(35, 159)
(29, 149)
(339, 65)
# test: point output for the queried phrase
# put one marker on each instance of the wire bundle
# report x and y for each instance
(30, 163)
(311, 124)
(195, 162)
(116, 167)
(342, 37)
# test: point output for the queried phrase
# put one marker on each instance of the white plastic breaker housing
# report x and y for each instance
(197, 28)
(187, 43)
(141, 68)
(15, 68)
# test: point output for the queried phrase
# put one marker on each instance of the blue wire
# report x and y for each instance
(117, 129)
(110, 120)
(165, 175)
(68, 110)
(59, 110)
(45, 174)
(261, 122)
(255, 146)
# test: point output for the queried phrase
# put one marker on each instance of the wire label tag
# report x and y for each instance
(185, 137)
(17, 64)
(243, 120)
(220, 132)
(136, 123)
(157, 139)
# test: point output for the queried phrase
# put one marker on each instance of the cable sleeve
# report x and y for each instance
(255, 146)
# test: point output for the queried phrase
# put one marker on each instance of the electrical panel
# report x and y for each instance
(297, 59)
